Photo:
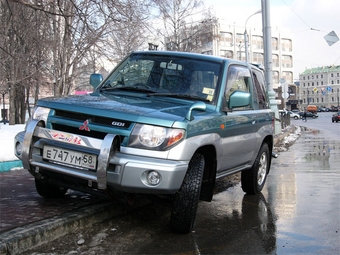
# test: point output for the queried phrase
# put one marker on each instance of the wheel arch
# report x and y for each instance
(209, 174)
(270, 141)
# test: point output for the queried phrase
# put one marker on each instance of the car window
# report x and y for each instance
(238, 79)
(260, 98)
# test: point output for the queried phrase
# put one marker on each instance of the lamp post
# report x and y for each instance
(153, 44)
(267, 37)
(246, 35)
(4, 110)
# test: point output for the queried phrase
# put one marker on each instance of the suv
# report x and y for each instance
(162, 123)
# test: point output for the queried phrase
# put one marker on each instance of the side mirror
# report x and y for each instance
(95, 79)
(239, 99)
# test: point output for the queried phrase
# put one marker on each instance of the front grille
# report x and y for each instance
(104, 121)
(73, 130)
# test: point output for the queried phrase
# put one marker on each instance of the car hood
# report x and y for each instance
(125, 106)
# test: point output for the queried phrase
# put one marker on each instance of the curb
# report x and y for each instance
(33, 235)
(6, 166)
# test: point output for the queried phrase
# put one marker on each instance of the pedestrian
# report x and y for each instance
(305, 115)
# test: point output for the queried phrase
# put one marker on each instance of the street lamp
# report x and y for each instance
(153, 44)
(4, 110)
(246, 35)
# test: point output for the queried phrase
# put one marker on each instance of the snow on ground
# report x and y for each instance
(7, 134)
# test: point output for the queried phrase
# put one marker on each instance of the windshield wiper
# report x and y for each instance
(129, 88)
(177, 95)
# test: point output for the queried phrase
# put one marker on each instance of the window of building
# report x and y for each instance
(287, 61)
(275, 76)
(286, 44)
(257, 42)
(275, 43)
(288, 76)
(258, 57)
(275, 60)
(226, 38)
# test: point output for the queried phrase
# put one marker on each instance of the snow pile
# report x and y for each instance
(7, 134)
(286, 138)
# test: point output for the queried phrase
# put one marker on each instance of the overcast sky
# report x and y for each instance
(308, 21)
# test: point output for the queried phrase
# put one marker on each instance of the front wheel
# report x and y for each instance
(185, 203)
(49, 190)
(253, 179)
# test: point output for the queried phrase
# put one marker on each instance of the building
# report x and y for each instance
(229, 42)
(320, 86)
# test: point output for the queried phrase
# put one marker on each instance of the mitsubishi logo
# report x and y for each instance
(85, 126)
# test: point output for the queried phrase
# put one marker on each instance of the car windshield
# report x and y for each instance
(165, 75)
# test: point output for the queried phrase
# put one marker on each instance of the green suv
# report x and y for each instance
(162, 123)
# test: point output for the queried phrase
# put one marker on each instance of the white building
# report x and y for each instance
(229, 42)
(320, 86)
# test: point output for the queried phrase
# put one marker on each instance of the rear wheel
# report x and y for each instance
(185, 203)
(253, 179)
(47, 190)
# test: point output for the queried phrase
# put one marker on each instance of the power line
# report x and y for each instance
(311, 28)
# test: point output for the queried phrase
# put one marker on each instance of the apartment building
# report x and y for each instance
(229, 42)
(320, 86)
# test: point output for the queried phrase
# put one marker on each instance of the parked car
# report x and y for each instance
(294, 115)
(296, 111)
(309, 115)
(162, 123)
(336, 117)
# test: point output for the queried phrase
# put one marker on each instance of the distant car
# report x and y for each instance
(308, 115)
(295, 111)
(336, 117)
(294, 115)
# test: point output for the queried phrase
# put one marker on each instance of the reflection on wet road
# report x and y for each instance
(298, 211)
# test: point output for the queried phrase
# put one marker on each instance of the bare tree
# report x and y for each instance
(182, 29)
(56, 42)
(21, 55)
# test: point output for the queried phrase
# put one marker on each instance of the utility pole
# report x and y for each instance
(267, 40)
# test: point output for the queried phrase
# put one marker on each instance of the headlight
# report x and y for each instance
(155, 137)
(41, 113)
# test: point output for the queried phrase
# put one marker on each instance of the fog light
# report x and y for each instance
(153, 178)
(18, 148)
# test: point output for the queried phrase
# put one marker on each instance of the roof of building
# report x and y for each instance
(321, 69)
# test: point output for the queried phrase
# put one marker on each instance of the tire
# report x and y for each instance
(253, 179)
(185, 202)
(47, 190)
(296, 117)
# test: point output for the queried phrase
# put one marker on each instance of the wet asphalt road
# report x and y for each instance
(298, 211)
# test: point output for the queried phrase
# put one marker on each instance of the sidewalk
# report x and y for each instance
(27, 219)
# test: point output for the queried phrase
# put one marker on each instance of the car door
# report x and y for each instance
(239, 135)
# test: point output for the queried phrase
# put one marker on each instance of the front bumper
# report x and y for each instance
(121, 171)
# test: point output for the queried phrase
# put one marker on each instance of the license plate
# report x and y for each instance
(70, 157)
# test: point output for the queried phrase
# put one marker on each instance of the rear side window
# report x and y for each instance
(260, 96)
